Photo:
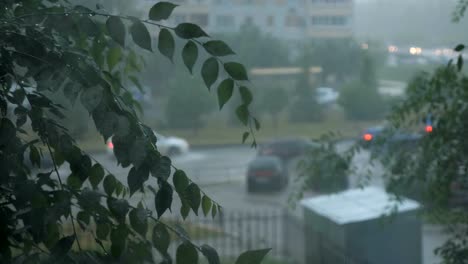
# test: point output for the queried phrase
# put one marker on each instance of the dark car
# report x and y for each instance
(268, 172)
(286, 148)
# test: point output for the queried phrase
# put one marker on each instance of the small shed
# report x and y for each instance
(362, 226)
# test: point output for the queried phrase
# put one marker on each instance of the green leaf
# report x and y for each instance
(109, 184)
(257, 124)
(140, 35)
(225, 90)
(161, 11)
(91, 97)
(119, 208)
(102, 230)
(180, 181)
(217, 48)
(210, 254)
(118, 240)
(184, 210)
(34, 156)
(190, 55)
(136, 178)
(236, 71)
(162, 168)
(139, 221)
(245, 136)
(71, 92)
(214, 210)
(136, 82)
(116, 29)
(242, 113)
(62, 247)
(460, 62)
(189, 31)
(83, 217)
(74, 182)
(206, 205)
(163, 199)
(193, 196)
(210, 71)
(161, 238)
(252, 257)
(459, 47)
(114, 56)
(166, 43)
(246, 95)
(186, 254)
(96, 174)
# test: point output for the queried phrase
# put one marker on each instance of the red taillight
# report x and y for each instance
(367, 137)
(429, 129)
(110, 145)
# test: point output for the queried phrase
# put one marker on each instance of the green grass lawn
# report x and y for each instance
(218, 132)
(404, 73)
(221, 134)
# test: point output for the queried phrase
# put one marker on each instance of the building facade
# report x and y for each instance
(285, 19)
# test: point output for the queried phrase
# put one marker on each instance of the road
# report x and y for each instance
(221, 175)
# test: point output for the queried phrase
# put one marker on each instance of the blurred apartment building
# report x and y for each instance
(285, 19)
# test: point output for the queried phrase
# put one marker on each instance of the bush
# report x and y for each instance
(361, 102)
(190, 94)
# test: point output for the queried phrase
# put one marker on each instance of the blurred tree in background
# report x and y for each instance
(257, 49)
(360, 98)
(272, 101)
(190, 93)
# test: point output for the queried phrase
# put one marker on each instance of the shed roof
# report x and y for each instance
(357, 205)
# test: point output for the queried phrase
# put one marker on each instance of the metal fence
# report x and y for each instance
(233, 232)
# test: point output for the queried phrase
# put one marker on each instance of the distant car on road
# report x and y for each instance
(170, 146)
(268, 172)
(286, 148)
(370, 137)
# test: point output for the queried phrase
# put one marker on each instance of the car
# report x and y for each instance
(268, 172)
(326, 95)
(286, 148)
(372, 137)
(167, 145)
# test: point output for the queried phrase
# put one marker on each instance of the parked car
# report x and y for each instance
(326, 95)
(169, 146)
(286, 148)
(268, 172)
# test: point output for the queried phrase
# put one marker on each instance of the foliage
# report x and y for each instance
(53, 46)
(189, 93)
(305, 107)
(360, 98)
(337, 57)
(257, 49)
(324, 179)
(272, 101)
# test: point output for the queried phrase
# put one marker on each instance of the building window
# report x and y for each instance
(270, 21)
(329, 20)
(293, 20)
(329, 1)
(200, 19)
(225, 21)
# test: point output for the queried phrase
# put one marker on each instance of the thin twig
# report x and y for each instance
(61, 186)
